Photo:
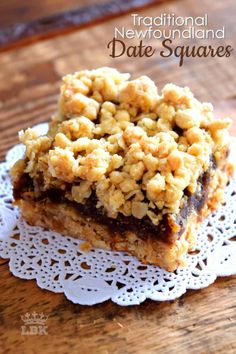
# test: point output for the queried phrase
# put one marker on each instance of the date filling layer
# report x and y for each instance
(170, 227)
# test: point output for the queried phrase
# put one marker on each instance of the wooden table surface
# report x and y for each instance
(200, 321)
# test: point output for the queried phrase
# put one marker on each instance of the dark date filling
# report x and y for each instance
(142, 227)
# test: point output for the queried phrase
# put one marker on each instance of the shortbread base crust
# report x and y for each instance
(67, 220)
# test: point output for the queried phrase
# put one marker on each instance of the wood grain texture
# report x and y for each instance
(21, 34)
(201, 321)
(15, 11)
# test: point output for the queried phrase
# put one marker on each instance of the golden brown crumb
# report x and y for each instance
(135, 148)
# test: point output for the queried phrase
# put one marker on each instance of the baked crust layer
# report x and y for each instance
(68, 221)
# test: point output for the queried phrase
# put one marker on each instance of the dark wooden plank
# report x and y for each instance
(24, 33)
(3, 261)
(14, 11)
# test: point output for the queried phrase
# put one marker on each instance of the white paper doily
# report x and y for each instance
(58, 264)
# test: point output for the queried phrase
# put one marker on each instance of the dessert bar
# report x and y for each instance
(125, 167)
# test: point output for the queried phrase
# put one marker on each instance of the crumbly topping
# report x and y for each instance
(137, 150)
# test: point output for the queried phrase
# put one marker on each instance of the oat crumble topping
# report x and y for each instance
(137, 149)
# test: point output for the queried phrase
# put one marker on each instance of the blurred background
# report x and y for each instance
(40, 41)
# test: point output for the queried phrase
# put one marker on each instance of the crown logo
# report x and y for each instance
(34, 319)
